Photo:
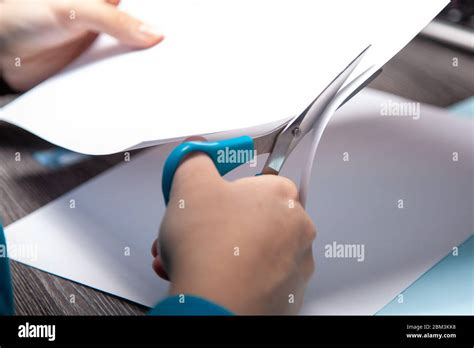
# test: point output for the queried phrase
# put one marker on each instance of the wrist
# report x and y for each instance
(184, 292)
(222, 292)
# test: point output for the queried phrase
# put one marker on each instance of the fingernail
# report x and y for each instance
(149, 30)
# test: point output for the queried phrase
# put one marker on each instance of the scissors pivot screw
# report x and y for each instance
(296, 132)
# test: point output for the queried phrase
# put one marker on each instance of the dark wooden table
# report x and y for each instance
(422, 71)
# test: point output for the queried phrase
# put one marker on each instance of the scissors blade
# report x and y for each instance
(287, 139)
(265, 143)
(312, 113)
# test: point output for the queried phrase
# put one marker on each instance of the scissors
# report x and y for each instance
(279, 143)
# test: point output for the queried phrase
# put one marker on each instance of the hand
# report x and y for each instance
(246, 245)
(48, 34)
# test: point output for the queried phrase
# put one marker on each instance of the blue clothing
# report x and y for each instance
(6, 292)
(188, 305)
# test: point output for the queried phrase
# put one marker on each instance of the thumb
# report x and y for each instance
(105, 17)
(196, 170)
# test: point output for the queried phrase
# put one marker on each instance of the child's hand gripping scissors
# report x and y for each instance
(279, 144)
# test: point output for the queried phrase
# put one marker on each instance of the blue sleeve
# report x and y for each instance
(6, 292)
(188, 305)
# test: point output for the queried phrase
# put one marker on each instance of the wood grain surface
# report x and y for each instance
(422, 71)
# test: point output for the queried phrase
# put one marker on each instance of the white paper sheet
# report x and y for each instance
(353, 202)
(224, 66)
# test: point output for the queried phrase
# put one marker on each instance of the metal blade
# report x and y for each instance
(297, 128)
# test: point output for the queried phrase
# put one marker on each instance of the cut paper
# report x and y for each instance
(389, 184)
(226, 66)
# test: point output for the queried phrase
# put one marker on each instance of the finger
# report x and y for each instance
(285, 187)
(309, 229)
(196, 169)
(154, 248)
(308, 264)
(159, 269)
(107, 18)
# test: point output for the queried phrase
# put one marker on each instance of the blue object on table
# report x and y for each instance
(445, 289)
(278, 144)
(58, 158)
(6, 291)
(464, 108)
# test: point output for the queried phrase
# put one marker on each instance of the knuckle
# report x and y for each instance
(286, 188)
(309, 266)
(121, 19)
(307, 228)
(61, 10)
(310, 230)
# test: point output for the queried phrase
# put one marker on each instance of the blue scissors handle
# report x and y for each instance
(218, 151)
